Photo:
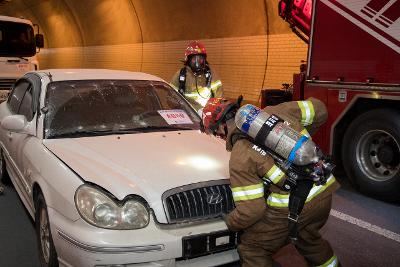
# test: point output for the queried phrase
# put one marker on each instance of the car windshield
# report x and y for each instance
(16, 40)
(100, 107)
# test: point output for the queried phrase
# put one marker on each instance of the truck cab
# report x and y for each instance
(18, 49)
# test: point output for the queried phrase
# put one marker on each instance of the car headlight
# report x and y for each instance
(98, 209)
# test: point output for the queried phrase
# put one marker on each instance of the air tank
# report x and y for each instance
(270, 131)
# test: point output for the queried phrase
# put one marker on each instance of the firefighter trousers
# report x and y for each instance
(263, 239)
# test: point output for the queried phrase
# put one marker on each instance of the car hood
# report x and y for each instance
(145, 164)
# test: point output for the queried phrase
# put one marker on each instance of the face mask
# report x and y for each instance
(198, 64)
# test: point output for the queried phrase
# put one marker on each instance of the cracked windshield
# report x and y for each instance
(100, 107)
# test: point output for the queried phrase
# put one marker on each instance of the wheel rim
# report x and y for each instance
(44, 235)
(378, 155)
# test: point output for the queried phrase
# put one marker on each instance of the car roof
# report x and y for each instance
(95, 74)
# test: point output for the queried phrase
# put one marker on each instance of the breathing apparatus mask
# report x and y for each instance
(198, 64)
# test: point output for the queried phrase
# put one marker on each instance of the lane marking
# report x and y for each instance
(366, 225)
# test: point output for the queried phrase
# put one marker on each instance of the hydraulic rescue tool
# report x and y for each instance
(295, 154)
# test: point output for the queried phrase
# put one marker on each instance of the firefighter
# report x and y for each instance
(262, 212)
(196, 81)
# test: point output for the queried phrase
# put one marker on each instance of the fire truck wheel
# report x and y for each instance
(371, 153)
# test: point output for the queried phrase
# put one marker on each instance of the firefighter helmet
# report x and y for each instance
(195, 48)
(218, 111)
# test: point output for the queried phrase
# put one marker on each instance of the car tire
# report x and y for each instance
(3, 171)
(371, 153)
(46, 250)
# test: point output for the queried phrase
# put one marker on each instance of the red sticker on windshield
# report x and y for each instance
(175, 116)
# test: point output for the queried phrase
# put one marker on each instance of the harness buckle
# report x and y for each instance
(266, 181)
(293, 218)
(293, 240)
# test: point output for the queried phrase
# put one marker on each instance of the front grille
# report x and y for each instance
(6, 83)
(191, 202)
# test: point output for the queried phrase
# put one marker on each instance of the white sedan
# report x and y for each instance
(113, 169)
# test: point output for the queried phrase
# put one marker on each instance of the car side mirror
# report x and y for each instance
(39, 40)
(14, 123)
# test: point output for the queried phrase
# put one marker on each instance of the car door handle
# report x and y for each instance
(9, 134)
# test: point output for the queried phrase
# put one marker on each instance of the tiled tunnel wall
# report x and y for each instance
(239, 61)
(248, 44)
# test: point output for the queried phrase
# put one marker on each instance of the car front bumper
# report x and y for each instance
(81, 244)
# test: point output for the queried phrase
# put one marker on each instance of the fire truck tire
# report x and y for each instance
(371, 153)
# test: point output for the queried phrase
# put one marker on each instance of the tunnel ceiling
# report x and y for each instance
(69, 23)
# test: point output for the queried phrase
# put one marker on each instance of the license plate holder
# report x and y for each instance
(205, 244)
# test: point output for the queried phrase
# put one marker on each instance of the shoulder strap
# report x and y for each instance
(237, 136)
(297, 199)
(208, 75)
(182, 81)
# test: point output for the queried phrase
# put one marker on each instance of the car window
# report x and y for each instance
(26, 107)
(115, 105)
(15, 98)
(169, 98)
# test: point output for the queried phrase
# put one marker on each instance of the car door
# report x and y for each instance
(20, 102)
(23, 164)
(12, 106)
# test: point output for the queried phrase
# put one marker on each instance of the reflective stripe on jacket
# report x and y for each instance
(305, 132)
(332, 262)
(307, 112)
(275, 174)
(249, 192)
(282, 200)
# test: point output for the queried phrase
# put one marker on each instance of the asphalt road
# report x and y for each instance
(361, 230)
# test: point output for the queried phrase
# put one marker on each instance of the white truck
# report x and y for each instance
(18, 44)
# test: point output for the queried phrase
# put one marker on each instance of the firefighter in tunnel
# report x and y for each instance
(196, 81)
(262, 207)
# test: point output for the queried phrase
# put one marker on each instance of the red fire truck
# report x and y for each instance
(353, 66)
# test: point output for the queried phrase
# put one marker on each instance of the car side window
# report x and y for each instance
(26, 107)
(15, 99)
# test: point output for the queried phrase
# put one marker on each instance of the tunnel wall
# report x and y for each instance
(248, 45)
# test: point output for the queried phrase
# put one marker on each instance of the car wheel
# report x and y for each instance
(371, 153)
(3, 171)
(47, 252)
